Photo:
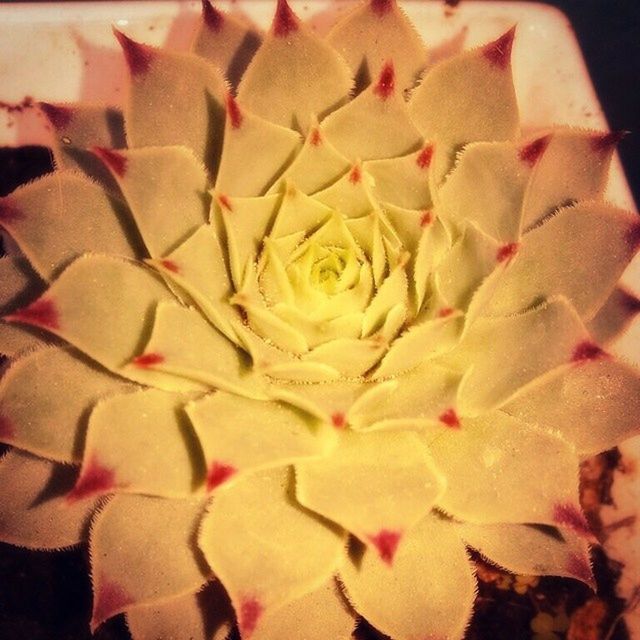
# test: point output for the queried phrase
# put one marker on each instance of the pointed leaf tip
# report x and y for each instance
(581, 569)
(251, 611)
(9, 212)
(426, 218)
(41, 313)
(94, 479)
(355, 175)
(633, 237)
(386, 82)
(218, 473)
(533, 151)
(605, 142)
(450, 418)
(114, 161)
(381, 7)
(58, 115)
(7, 430)
(445, 312)
(147, 360)
(233, 112)
(507, 251)
(224, 201)
(587, 350)
(315, 137)
(138, 56)
(570, 516)
(110, 599)
(170, 265)
(338, 420)
(386, 542)
(285, 20)
(213, 18)
(425, 156)
(498, 52)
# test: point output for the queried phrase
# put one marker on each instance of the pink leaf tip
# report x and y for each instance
(41, 313)
(285, 21)
(115, 161)
(586, 350)
(450, 418)
(250, 612)
(533, 151)
(579, 567)
(386, 542)
(498, 52)
(633, 237)
(218, 473)
(224, 201)
(109, 599)
(426, 218)
(315, 137)
(138, 56)
(147, 360)
(425, 156)
(338, 420)
(445, 312)
(607, 142)
(58, 115)
(386, 81)
(233, 112)
(170, 265)
(7, 430)
(569, 515)
(94, 479)
(381, 7)
(507, 251)
(9, 212)
(355, 175)
(213, 18)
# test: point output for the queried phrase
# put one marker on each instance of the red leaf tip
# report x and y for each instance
(571, 516)
(224, 201)
(113, 160)
(450, 418)
(580, 568)
(498, 52)
(94, 479)
(170, 265)
(355, 175)
(9, 212)
(250, 612)
(425, 156)
(533, 151)
(110, 598)
(138, 56)
(147, 360)
(386, 81)
(213, 18)
(426, 218)
(233, 112)
(381, 7)
(7, 430)
(606, 142)
(445, 312)
(507, 251)
(218, 473)
(285, 21)
(586, 350)
(386, 542)
(58, 115)
(41, 313)
(338, 420)
(315, 137)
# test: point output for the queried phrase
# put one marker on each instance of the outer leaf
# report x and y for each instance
(164, 87)
(528, 550)
(117, 297)
(165, 189)
(375, 485)
(33, 510)
(246, 136)
(493, 472)
(574, 167)
(225, 40)
(390, 35)
(593, 403)
(428, 592)
(529, 345)
(467, 98)
(238, 434)
(123, 576)
(375, 124)
(318, 615)
(546, 265)
(615, 316)
(63, 215)
(18, 282)
(141, 443)
(266, 549)
(203, 615)
(45, 398)
(317, 79)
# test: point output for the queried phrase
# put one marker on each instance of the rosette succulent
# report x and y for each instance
(303, 326)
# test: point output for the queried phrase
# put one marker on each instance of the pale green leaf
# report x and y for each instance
(351, 194)
(428, 592)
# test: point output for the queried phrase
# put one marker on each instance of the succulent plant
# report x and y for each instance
(301, 343)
